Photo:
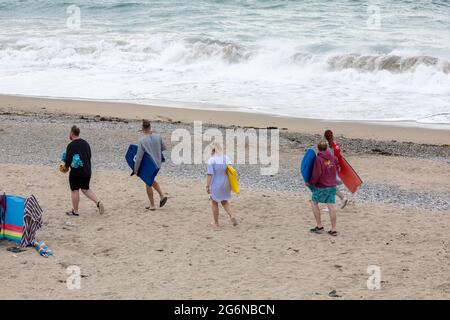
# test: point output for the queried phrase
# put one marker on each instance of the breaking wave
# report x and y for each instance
(392, 63)
(295, 58)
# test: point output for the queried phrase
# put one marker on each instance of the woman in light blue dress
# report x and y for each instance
(217, 184)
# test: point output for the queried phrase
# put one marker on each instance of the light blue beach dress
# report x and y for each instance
(220, 186)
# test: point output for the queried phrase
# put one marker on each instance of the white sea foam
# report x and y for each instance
(292, 75)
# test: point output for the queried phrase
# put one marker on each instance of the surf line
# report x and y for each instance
(186, 310)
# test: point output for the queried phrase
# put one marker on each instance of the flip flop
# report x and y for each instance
(234, 221)
(101, 207)
(72, 213)
(332, 233)
(151, 209)
(16, 249)
(162, 202)
(316, 230)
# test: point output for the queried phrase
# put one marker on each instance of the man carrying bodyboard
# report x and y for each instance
(153, 145)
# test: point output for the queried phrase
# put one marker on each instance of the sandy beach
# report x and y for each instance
(397, 221)
(264, 79)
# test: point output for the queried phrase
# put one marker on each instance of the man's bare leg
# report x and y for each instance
(150, 197)
(91, 196)
(75, 195)
(162, 197)
(158, 189)
(316, 211)
(333, 217)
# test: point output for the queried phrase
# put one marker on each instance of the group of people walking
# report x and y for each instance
(323, 183)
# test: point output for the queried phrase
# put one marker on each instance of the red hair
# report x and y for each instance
(328, 135)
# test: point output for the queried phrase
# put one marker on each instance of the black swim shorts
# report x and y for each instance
(79, 182)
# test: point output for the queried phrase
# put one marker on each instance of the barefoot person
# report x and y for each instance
(323, 183)
(335, 149)
(217, 184)
(78, 159)
(153, 145)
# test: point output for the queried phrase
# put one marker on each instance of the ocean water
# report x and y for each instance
(343, 60)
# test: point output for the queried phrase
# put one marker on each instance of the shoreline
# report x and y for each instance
(381, 131)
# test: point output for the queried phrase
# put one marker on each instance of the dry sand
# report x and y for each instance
(173, 253)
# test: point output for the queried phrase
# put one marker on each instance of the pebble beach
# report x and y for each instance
(111, 136)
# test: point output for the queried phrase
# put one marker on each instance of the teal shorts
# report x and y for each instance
(324, 195)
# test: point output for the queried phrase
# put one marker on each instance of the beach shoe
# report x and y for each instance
(72, 213)
(344, 203)
(316, 230)
(162, 202)
(101, 208)
(16, 249)
(332, 233)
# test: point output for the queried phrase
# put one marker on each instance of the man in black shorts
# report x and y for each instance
(78, 159)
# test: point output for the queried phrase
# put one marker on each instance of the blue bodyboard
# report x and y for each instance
(307, 164)
(148, 169)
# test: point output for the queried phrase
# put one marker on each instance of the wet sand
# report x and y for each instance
(405, 132)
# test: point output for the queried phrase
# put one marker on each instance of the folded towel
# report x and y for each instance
(76, 160)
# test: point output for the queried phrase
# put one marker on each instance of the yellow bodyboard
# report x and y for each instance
(233, 178)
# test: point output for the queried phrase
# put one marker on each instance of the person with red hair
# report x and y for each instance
(335, 149)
